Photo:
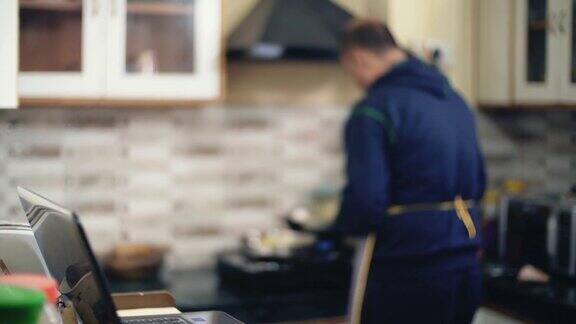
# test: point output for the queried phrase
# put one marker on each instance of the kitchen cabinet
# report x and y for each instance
(536, 51)
(164, 49)
(8, 53)
(60, 54)
(567, 16)
(120, 52)
(526, 53)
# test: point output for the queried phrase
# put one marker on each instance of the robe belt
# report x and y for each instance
(458, 204)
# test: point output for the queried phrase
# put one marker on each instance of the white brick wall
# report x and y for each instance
(192, 179)
(195, 179)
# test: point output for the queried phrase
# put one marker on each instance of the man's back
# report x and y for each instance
(429, 154)
(415, 176)
(435, 156)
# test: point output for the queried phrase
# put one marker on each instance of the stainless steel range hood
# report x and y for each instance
(289, 29)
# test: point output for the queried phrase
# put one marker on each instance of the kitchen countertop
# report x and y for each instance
(196, 290)
(552, 302)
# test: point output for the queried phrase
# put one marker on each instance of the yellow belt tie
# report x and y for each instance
(461, 206)
(458, 204)
(464, 215)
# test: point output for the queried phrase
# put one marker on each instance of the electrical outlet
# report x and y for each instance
(436, 52)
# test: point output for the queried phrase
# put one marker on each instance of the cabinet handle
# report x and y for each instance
(95, 8)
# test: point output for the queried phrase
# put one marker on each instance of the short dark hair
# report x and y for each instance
(367, 34)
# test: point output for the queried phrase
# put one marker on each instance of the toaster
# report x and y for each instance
(524, 230)
(562, 239)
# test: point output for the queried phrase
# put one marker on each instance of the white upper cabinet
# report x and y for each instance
(8, 53)
(158, 50)
(120, 51)
(61, 49)
(536, 52)
(526, 53)
(567, 28)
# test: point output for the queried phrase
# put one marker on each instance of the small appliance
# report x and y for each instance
(562, 239)
(523, 230)
(19, 251)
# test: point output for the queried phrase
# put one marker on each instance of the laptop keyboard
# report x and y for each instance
(156, 320)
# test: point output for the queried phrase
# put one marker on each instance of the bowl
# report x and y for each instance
(135, 261)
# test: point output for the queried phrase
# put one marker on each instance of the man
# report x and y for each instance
(415, 176)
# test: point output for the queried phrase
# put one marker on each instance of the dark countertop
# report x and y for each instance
(196, 290)
(552, 302)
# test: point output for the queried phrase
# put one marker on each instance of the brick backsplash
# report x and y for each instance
(196, 179)
(191, 179)
(537, 147)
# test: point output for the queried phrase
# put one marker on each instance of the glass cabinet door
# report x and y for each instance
(537, 26)
(50, 36)
(159, 37)
(567, 26)
(535, 49)
(164, 49)
(58, 47)
(572, 41)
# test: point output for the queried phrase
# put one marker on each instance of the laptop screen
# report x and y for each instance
(69, 258)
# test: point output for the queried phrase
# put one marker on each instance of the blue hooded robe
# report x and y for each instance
(412, 140)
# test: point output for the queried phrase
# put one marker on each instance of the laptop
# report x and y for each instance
(71, 262)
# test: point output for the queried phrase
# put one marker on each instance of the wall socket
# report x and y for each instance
(436, 52)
